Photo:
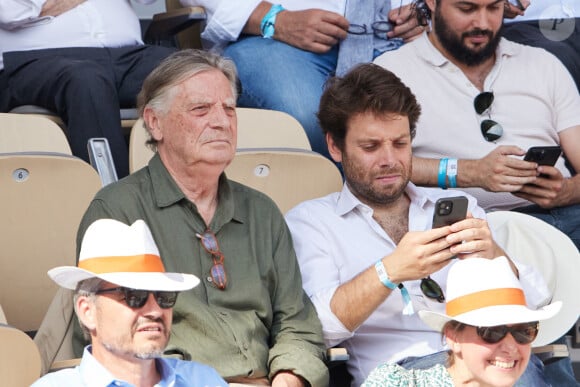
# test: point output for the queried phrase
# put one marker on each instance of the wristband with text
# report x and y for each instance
(452, 172)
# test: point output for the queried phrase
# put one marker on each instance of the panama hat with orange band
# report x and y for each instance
(485, 293)
(123, 255)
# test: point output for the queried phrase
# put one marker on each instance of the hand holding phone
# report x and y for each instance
(449, 210)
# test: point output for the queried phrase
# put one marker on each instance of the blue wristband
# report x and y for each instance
(452, 172)
(267, 24)
(442, 174)
(383, 276)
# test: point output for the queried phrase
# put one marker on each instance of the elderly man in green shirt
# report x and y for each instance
(249, 318)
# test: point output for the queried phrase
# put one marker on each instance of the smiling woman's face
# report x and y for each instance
(494, 365)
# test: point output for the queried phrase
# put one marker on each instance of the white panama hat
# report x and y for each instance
(123, 255)
(485, 292)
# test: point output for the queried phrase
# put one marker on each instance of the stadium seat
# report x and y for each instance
(30, 133)
(19, 358)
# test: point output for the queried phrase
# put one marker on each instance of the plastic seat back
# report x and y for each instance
(288, 176)
(43, 199)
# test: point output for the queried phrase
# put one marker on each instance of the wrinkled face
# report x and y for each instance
(118, 331)
(376, 158)
(200, 125)
(468, 30)
(494, 365)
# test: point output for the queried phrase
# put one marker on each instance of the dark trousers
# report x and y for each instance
(561, 37)
(85, 86)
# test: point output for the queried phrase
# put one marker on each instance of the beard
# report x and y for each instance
(363, 187)
(457, 49)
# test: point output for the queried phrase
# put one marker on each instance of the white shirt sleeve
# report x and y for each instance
(225, 19)
(16, 14)
(320, 275)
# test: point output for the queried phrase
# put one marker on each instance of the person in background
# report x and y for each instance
(488, 328)
(490, 100)
(285, 51)
(124, 301)
(249, 318)
(369, 255)
(82, 59)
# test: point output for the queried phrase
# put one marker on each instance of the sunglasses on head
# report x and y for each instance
(217, 271)
(522, 333)
(136, 298)
(431, 289)
(490, 129)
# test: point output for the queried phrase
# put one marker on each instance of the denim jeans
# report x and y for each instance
(277, 76)
(565, 219)
(532, 377)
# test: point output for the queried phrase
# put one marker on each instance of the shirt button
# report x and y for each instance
(209, 279)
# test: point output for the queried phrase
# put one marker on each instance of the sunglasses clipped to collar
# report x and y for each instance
(522, 333)
(490, 129)
(136, 298)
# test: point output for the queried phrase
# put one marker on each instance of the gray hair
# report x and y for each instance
(158, 87)
(86, 288)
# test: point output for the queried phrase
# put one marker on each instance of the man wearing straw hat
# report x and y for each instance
(124, 302)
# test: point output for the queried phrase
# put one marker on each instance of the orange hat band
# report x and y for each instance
(485, 298)
(136, 263)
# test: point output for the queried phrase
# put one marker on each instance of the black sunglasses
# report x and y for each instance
(522, 333)
(432, 290)
(490, 129)
(217, 271)
(136, 298)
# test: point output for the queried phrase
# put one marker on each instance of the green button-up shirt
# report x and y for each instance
(262, 322)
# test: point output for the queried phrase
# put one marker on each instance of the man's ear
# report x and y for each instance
(151, 121)
(452, 341)
(333, 149)
(86, 311)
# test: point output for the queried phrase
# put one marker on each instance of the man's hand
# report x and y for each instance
(419, 254)
(510, 10)
(287, 379)
(550, 189)
(57, 7)
(312, 30)
(405, 23)
(472, 237)
(499, 171)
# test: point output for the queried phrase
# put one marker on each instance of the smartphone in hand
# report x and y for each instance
(543, 155)
(449, 210)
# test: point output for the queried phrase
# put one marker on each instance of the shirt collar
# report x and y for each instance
(95, 374)
(167, 193)
(347, 202)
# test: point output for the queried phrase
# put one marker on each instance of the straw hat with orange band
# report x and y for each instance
(129, 258)
(485, 293)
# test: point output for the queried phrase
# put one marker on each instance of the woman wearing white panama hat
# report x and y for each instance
(488, 328)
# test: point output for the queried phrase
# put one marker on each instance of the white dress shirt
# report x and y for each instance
(336, 238)
(549, 9)
(94, 23)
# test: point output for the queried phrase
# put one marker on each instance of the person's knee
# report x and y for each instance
(85, 77)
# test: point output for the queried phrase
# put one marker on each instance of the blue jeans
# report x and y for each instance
(277, 76)
(532, 377)
(565, 219)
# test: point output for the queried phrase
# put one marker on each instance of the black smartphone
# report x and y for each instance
(449, 210)
(543, 155)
